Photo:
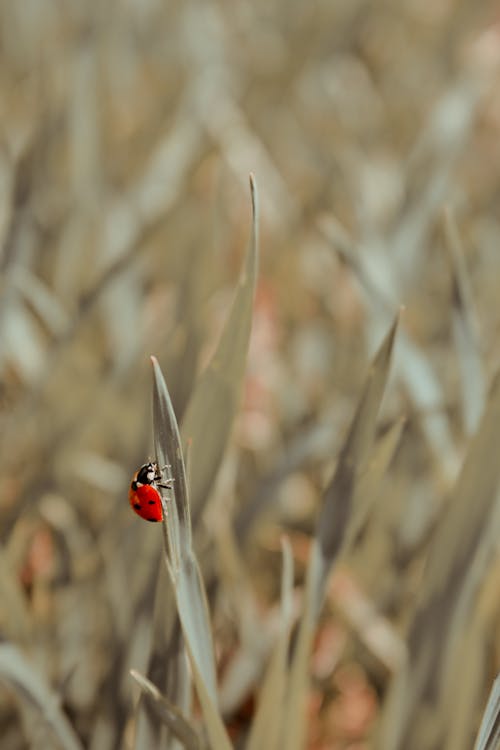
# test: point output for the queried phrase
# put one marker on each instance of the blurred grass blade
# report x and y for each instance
(295, 715)
(182, 564)
(16, 672)
(488, 737)
(167, 666)
(337, 503)
(193, 611)
(462, 545)
(368, 485)
(268, 723)
(168, 713)
(17, 622)
(464, 323)
(213, 405)
(411, 363)
(332, 528)
(213, 724)
(40, 297)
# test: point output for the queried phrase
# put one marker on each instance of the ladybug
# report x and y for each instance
(144, 498)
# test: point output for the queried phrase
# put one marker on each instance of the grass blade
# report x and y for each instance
(332, 528)
(183, 569)
(268, 723)
(168, 713)
(337, 503)
(488, 737)
(213, 405)
(16, 672)
(411, 364)
(368, 486)
(462, 544)
(167, 666)
(464, 322)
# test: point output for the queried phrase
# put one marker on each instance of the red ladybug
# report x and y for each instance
(144, 498)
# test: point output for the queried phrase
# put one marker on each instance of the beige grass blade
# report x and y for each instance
(368, 485)
(295, 717)
(30, 686)
(217, 736)
(459, 550)
(181, 561)
(411, 364)
(184, 571)
(331, 531)
(268, 724)
(213, 405)
(464, 321)
(488, 737)
(167, 666)
(338, 497)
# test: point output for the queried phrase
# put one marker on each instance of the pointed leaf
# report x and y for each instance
(181, 561)
(338, 496)
(268, 723)
(464, 322)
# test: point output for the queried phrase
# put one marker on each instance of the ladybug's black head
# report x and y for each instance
(146, 474)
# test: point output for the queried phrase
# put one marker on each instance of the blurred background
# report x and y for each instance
(128, 131)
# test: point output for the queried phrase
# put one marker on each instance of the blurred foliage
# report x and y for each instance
(128, 133)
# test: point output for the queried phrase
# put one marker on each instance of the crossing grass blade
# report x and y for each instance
(331, 530)
(213, 405)
(168, 713)
(29, 685)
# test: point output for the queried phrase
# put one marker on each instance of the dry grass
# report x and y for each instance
(128, 134)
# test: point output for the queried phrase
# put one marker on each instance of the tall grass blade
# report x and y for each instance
(411, 364)
(217, 736)
(331, 530)
(295, 727)
(30, 686)
(338, 498)
(461, 546)
(182, 565)
(167, 666)
(213, 405)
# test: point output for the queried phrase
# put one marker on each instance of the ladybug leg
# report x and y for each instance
(168, 485)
